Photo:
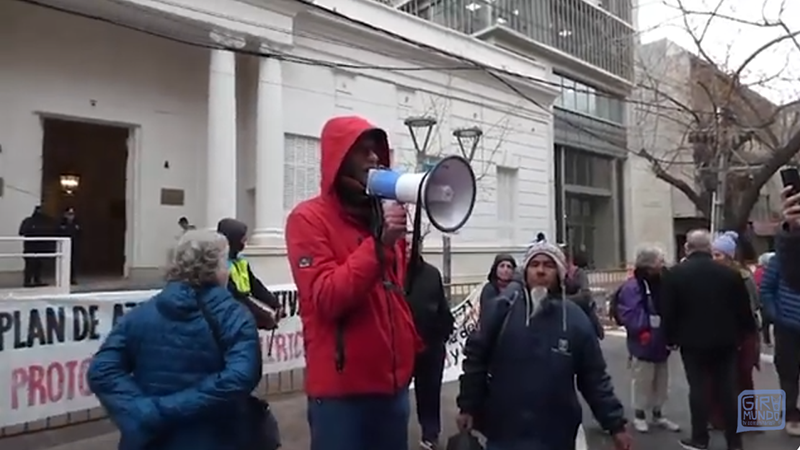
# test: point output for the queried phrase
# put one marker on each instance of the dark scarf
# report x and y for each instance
(355, 201)
(653, 282)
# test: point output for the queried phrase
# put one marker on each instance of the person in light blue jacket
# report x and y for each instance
(780, 298)
(177, 371)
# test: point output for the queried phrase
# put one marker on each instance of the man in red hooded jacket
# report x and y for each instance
(347, 257)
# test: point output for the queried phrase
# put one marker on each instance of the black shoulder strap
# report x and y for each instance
(212, 324)
(498, 330)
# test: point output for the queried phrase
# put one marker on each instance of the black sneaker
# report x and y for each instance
(691, 444)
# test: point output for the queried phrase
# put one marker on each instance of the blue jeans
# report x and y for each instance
(362, 422)
(519, 445)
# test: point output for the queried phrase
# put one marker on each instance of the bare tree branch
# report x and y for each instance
(678, 108)
(679, 184)
(764, 47)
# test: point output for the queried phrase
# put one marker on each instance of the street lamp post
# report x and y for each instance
(468, 139)
(420, 125)
(416, 127)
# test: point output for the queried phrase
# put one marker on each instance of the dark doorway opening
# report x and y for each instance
(84, 167)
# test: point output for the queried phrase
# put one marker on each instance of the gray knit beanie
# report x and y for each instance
(551, 250)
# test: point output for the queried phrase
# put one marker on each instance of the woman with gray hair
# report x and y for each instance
(638, 308)
(176, 372)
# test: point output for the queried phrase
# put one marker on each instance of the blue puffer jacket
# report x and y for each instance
(779, 299)
(161, 376)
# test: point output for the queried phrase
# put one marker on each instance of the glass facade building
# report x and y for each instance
(589, 208)
(585, 99)
(593, 40)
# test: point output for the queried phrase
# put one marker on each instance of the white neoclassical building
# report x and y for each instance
(140, 112)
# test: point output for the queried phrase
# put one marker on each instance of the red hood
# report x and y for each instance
(338, 135)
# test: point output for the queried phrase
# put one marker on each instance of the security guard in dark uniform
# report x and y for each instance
(243, 284)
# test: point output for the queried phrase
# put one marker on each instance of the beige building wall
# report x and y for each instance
(658, 124)
(657, 128)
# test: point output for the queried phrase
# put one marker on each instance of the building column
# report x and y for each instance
(269, 152)
(617, 200)
(222, 125)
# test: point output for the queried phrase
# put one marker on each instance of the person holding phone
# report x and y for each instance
(780, 296)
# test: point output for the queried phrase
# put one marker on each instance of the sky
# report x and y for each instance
(732, 36)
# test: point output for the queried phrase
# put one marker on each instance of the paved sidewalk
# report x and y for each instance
(291, 415)
(290, 412)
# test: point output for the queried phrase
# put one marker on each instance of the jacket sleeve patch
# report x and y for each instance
(304, 262)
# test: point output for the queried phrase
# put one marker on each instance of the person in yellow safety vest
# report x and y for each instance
(243, 284)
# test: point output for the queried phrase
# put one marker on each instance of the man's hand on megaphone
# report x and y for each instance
(394, 222)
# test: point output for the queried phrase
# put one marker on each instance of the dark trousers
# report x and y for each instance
(765, 328)
(33, 271)
(359, 422)
(720, 366)
(787, 364)
(428, 369)
(747, 357)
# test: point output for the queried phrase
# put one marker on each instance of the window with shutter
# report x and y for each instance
(301, 171)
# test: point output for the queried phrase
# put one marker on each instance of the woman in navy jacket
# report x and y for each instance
(176, 372)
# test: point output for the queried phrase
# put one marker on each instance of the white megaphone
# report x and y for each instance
(448, 191)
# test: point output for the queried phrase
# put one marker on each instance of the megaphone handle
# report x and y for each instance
(379, 251)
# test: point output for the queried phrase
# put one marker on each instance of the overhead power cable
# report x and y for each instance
(319, 62)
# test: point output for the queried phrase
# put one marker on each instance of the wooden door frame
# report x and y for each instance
(132, 173)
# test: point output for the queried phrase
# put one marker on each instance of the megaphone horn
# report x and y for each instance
(448, 191)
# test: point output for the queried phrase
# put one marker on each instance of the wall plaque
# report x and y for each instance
(172, 197)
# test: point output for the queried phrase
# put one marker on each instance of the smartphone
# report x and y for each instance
(791, 178)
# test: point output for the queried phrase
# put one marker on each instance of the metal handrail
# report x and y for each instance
(62, 254)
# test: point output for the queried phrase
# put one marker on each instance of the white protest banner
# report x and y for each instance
(466, 315)
(46, 346)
